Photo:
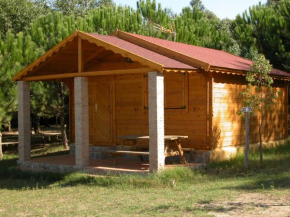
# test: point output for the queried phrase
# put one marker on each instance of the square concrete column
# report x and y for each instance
(24, 133)
(81, 122)
(156, 121)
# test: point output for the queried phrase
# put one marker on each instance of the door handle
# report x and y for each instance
(96, 107)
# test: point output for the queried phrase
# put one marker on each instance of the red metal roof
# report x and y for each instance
(216, 58)
(148, 54)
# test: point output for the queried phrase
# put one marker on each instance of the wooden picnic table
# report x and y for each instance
(176, 139)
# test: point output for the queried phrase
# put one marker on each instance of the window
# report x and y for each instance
(175, 89)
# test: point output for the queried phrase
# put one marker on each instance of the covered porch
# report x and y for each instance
(86, 63)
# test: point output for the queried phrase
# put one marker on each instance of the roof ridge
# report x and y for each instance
(162, 50)
(223, 51)
(177, 42)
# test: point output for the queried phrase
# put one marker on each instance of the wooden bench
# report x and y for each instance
(176, 139)
(9, 143)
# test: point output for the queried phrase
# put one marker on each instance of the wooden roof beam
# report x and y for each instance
(86, 74)
(80, 56)
(89, 58)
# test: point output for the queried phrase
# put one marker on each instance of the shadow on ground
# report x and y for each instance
(274, 174)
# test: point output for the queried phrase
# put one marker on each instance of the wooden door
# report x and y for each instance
(103, 112)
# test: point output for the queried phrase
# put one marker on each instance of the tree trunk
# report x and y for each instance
(36, 124)
(247, 122)
(9, 126)
(1, 152)
(261, 143)
(62, 122)
(63, 132)
(260, 136)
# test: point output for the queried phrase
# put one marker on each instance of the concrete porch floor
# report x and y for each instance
(66, 163)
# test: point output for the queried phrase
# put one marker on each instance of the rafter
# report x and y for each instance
(89, 58)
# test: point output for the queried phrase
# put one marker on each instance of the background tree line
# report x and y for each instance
(31, 27)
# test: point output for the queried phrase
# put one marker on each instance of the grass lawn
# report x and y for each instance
(222, 189)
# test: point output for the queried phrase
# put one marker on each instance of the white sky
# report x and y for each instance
(222, 8)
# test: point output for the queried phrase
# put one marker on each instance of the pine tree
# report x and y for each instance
(51, 100)
(198, 4)
(79, 7)
(263, 96)
(265, 28)
(8, 67)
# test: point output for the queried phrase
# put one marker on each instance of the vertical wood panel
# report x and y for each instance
(210, 109)
(103, 112)
(175, 93)
(132, 118)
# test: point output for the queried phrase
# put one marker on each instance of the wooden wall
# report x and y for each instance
(227, 101)
(131, 111)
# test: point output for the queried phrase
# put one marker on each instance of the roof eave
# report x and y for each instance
(243, 72)
(46, 55)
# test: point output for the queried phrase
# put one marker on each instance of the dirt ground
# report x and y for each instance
(252, 205)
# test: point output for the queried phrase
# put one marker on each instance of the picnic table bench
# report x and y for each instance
(135, 146)
(9, 143)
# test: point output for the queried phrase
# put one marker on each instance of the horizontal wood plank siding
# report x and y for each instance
(227, 101)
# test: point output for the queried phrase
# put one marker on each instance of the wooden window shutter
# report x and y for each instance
(175, 89)
(175, 85)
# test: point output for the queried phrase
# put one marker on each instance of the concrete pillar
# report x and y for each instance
(24, 133)
(81, 122)
(156, 121)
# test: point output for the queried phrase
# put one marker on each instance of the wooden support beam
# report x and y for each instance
(95, 54)
(87, 74)
(80, 56)
(89, 58)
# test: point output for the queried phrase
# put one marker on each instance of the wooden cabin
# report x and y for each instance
(113, 81)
